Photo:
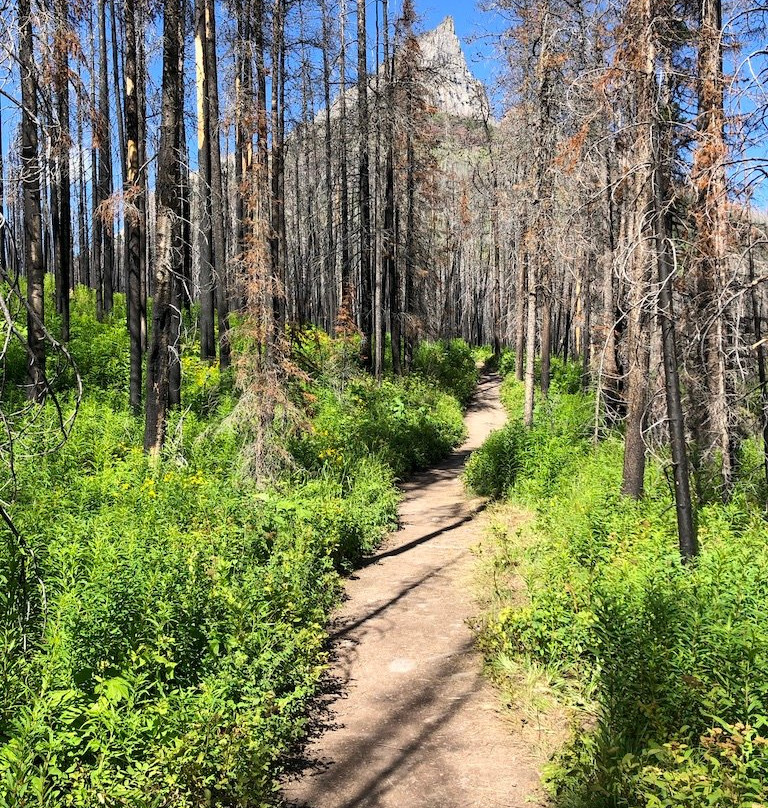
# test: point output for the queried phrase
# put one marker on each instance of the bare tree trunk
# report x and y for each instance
(132, 194)
(141, 89)
(84, 263)
(105, 241)
(33, 233)
(520, 320)
(219, 252)
(710, 215)
(330, 243)
(182, 284)
(61, 150)
(530, 351)
(609, 368)
(116, 79)
(167, 227)
(641, 159)
(346, 263)
(663, 231)
(546, 340)
(364, 185)
(389, 237)
(277, 231)
(757, 326)
(3, 212)
(205, 235)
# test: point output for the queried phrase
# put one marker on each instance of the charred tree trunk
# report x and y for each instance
(63, 185)
(132, 194)
(103, 219)
(364, 185)
(346, 262)
(167, 226)
(219, 252)
(33, 230)
(684, 507)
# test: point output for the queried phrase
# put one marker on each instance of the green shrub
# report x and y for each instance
(513, 396)
(506, 362)
(492, 470)
(483, 356)
(184, 616)
(538, 457)
(162, 623)
(407, 423)
(451, 364)
(675, 659)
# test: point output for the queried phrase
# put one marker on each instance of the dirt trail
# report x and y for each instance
(410, 721)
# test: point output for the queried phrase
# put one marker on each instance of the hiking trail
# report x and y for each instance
(409, 720)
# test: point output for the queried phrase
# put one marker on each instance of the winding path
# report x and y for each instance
(409, 721)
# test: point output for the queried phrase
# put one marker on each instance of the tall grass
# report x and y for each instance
(673, 660)
(169, 629)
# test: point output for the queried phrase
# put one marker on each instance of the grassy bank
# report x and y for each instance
(666, 667)
(168, 630)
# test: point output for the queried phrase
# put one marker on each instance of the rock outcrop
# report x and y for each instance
(447, 77)
(450, 88)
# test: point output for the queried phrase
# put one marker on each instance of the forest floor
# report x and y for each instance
(408, 718)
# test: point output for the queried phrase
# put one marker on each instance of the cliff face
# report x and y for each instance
(450, 86)
(446, 75)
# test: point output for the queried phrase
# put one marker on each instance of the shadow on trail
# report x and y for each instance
(415, 713)
(396, 551)
(429, 707)
(343, 631)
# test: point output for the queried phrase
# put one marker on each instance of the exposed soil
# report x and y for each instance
(409, 719)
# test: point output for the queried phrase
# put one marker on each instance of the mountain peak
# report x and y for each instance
(457, 92)
(448, 25)
(444, 75)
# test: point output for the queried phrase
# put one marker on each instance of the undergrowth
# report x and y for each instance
(168, 629)
(670, 664)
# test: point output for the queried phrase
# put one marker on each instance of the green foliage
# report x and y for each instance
(100, 349)
(452, 364)
(184, 617)
(674, 659)
(169, 629)
(565, 377)
(483, 356)
(492, 470)
(535, 458)
(334, 360)
(506, 362)
(406, 423)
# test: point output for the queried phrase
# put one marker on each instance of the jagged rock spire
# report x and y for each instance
(448, 82)
(455, 90)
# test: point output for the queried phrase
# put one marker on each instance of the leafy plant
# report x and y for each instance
(674, 661)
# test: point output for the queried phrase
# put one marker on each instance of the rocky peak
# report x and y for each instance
(455, 90)
(450, 86)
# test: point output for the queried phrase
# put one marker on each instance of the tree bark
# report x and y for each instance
(346, 263)
(713, 425)
(167, 226)
(132, 195)
(683, 505)
(219, 252)
(640, 160)
(103, 219)
(33, 232)
(530, 351)
(61, 150)
(205, 234)
(364, 185)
